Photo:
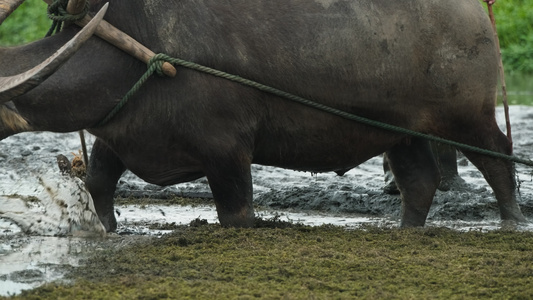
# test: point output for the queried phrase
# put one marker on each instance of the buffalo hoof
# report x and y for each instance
(454, 182)
(236, 221)
(109, 221)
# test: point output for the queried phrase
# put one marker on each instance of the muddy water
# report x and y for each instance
(29, 261)
(352, 200)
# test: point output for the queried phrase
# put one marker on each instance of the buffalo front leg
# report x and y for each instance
(103, 173)
(231, 185)
(417, 177)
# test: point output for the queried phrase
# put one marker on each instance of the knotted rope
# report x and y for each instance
(57, 11)
(154, 65)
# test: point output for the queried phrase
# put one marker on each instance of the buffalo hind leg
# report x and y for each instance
(103, 173)
(231, 185)
(499, 173)
(417, 177)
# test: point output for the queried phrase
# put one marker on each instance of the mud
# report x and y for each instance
(350, 200)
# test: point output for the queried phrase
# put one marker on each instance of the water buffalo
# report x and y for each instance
(426, 65)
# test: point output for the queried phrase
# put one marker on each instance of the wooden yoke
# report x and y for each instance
(117, 38)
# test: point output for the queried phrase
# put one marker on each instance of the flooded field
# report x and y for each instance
(353, 200)
(29, 261)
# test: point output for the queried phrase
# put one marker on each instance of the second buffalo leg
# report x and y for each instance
(417, 177)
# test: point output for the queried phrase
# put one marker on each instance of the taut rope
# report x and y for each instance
(157, 61)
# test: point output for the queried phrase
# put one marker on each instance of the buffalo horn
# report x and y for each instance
(19, 84)
(7, 7)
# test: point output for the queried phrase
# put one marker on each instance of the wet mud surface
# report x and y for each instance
(350, 200)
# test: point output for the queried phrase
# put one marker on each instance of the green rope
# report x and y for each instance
(152, 67)
(157, 61)
(57, 11)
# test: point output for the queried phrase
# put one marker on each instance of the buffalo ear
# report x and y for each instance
(7, 7)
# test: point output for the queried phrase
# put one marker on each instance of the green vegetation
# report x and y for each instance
(283, 261)
(514, 22)
(28, 23)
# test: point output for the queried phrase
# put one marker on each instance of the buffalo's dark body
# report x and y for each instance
(426, 65)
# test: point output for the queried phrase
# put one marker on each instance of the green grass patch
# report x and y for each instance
(301, 262)
(28, 23)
